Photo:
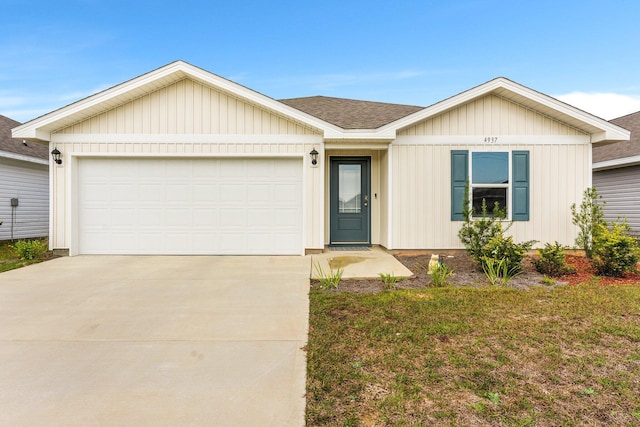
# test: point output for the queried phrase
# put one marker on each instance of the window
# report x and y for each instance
(489, 181)
(501, 177)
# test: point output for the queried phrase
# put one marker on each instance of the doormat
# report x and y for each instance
(349, 248)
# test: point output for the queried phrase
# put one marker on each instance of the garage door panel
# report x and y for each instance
(190, 206)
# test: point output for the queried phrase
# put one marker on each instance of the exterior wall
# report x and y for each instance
(187, 107)
(375, 189)
(63, 176)
(384, 198)
(421, 205)
(620, 190)
(490, 115)
(29, 183)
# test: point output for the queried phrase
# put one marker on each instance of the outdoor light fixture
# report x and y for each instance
(55, 153)
(314, 156)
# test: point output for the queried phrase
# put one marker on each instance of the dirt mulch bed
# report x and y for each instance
(467, 273)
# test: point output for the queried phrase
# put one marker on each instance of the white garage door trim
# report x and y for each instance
(189, 205)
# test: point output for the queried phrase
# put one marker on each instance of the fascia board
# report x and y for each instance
(616, 163)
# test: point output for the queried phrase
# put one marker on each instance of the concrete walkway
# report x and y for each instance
(162, 341)
(359, 264)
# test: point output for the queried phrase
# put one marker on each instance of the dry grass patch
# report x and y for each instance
(475, 356)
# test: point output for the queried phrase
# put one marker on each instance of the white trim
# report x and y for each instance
(186, 138)
(75, 154)
(23, 158)
(361, 146)
(616, 163)
(390, 200)
(499, 141)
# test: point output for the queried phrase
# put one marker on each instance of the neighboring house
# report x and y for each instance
(182, 161)
(24, 186)
(616, 174)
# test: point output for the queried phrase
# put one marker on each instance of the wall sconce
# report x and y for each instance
(314, 156)
(55, 153)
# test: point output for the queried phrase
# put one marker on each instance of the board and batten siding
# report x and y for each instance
(620, 189)
(490, 115)
(29, 183)
(421, 206)
(188, 107)
(63, 206)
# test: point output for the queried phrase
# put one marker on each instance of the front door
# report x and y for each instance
(350, 201)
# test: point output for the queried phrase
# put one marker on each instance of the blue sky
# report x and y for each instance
(587, 53)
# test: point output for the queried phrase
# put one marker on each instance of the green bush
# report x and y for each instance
(501, 248)
(440, 274)
(615, 252)
(552, 260)
(29, 250)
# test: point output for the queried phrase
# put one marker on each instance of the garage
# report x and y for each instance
(189, 206)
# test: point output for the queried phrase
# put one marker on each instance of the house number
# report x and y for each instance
(491, 139)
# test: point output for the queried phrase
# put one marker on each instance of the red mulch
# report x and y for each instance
(585, 272)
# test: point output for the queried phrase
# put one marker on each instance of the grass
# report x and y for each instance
(567, 356)
(10, 260)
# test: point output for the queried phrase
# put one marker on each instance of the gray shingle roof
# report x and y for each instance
(16, 146)
(351, 113)
(622, 149)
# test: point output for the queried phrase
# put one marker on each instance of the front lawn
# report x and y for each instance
(567, 355)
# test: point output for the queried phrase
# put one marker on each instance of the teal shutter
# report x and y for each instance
(520, 186)
(459, 177)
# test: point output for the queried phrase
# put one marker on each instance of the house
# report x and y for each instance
(182, 161)
(24, 186)
(616, 174)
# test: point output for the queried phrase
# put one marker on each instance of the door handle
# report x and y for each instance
(366, 201)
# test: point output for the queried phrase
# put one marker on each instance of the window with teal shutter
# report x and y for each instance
(459, 176)
(520, 186)
(490, 181)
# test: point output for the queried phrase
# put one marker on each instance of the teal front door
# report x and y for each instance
(350, 201)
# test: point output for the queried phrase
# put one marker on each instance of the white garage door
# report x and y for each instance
(189, 206)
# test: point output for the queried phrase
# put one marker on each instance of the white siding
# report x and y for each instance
(188, 107)
(620, 189)
(421, 185)
(29, 183)
(490, 115)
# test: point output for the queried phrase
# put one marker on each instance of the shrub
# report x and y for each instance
(615, 252)
(552, 260)
(329, 280)
(476, 233)
(29, 250)
(389, 281)
(501, 248)
(439, 274)
(588, 219)
(497, 271)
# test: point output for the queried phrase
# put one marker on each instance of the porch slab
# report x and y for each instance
(359, 264)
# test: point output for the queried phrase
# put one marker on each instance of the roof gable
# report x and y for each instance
(599, 129)
(42, 127)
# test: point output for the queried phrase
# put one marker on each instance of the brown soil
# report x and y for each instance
(465, 273)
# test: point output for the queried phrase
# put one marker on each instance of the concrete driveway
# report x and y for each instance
(162, 341)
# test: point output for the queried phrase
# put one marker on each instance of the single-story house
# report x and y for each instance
(182, 161)
(616, 174)
(24, 186)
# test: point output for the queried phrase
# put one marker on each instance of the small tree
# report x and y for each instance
(589, 219)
